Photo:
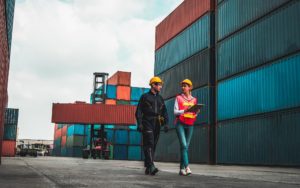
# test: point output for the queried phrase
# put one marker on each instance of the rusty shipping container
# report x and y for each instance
(93, 114)
(8, 148)
(120, 78)
(123, 93)
(182, 17)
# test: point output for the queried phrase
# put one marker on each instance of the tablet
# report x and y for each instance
(195, 108)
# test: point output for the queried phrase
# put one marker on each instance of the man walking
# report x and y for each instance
(151, 114)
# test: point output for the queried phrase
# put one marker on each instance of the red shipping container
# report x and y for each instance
(64, 130)
(93, 114)
(123, 93)
(110, 101)
(120, 78)
(63, 141)
(182, 17)
(57, 134)
(8, 148)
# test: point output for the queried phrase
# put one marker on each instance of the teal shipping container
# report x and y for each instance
(64, 152)
(270, 88)
(135, 137)
(121, 137)
(268, 139)
(120, 152)
(134, 153)
(10, 132)
(272, 37)
(110, 135)
(111, 91)
(76, 140)
(11, 116)
(74, 151)
(137, 92)
(10, 9)
(190, 41)
(76, 129)
(235, 14)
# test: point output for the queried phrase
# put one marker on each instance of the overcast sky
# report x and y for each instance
(58, 44)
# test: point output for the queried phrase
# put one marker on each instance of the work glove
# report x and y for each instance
(140, 128)
(166, 128)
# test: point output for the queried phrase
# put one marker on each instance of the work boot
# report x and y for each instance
(153, 170)
(147, 170)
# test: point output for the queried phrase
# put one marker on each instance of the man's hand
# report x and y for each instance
(140, 128)
(166, 128)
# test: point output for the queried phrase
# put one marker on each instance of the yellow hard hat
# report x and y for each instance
(187, 81)
(155, 79)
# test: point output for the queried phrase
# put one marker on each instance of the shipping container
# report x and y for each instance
(64, 130)
(167, 148)
(132, 127)
(272, 87)
(134, 153)
(204, 95)
(10, 7)
(191, 41)
(109, 126)
(121, 137)
(268, 139)
(76, 130)
(182, 17)
(235, 14)
(123, 93)
(123, 102)
(120, 152)
(93, 114)
(11, 116)
(199, 146)
(137, 92)
(8, 148)
(272, 37)
(110, 101)
(111, 92)
(196, 68)
(120, 78)
(59, 126)
(63, 152)
(134, 103)
(74, 151)
(75, 140)
(57, 134)
(110, 135)
(135, 137)
(57, 143)
(10, 132)
(63, 141)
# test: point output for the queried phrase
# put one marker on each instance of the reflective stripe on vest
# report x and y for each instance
(187, 118)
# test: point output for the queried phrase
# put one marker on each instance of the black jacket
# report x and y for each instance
(151, 106)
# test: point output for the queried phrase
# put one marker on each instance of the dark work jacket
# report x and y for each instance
(151, 106)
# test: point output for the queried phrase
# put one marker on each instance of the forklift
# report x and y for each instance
(98, 147)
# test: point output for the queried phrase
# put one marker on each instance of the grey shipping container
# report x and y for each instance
(234, 14)
(199, 146)
(196, 68)
(269, 139)
(11, 116)
(167, 148)
(272, 37)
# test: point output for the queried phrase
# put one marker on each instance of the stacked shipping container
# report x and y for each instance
(258, 60)
(10, 132)
(6, 22)
(126, 141)
(187, 52)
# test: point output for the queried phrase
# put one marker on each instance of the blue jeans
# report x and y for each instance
(184, 133)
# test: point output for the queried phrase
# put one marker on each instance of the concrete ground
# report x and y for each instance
(75, 172)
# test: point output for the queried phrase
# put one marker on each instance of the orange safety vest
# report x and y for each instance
(187, 118)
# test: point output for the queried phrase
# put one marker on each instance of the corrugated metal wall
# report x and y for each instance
(10, 8)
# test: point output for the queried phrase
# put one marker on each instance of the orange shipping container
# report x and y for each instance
(64, 130)
(8, 148)
(57, 134)
(63, 141)
(183, 16)
(110, 101)
(120, 78)
(123, 93)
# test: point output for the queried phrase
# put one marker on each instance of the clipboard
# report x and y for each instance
(195, 108)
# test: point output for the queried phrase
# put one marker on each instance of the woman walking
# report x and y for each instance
(184, 123)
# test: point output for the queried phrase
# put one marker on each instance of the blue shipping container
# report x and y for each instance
(190, 41)
(121, 137)
(10, 8)
(269, 88)
(10, 132)
(235, 14)
(134, 103)
(134, 153)
(269, 139)
(110, 135)
(137, 92)
(74, 151)
(111, 92)
(135, 138)
(272, 37)
(120, 152)
(76, 129)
